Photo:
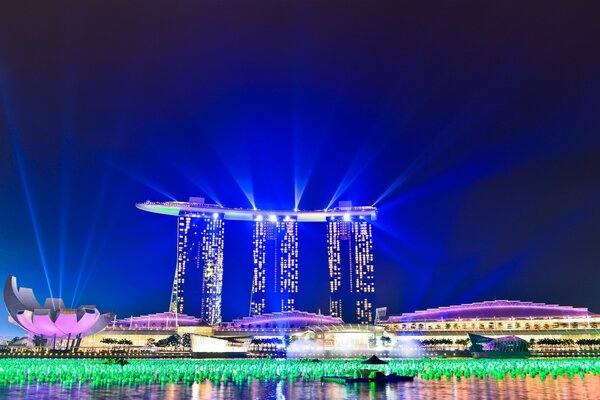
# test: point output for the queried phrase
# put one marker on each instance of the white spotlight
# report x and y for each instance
(259, 218)
(215, 215)
(346, 217)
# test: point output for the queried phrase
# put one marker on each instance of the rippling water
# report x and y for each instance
(519, 388)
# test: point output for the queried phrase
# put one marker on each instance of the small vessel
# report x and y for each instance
(376, 379)
(368, 375)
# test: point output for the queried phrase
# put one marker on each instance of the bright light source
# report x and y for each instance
(215, 215)
(287, 218)
(346, 217)
(272, 218)
(259, 218)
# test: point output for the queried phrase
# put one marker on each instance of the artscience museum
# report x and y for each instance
(51, 323)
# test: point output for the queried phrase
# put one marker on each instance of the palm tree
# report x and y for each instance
(385, 340)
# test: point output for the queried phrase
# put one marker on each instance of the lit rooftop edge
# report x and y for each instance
(197, 207)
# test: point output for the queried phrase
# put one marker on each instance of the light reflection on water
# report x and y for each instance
(511, 389)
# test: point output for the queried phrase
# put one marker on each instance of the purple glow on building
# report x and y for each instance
(279, 320)
(52, 320)
(492, 310)
(158, 321)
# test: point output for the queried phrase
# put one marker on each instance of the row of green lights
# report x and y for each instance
(96, 373)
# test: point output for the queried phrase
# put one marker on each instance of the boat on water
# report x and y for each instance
(383, 379)
(369, 375)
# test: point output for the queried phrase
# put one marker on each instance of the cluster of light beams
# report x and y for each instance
(375, 143)
(557, 231)
(89, 266)
(16, 146)
(461, 124)
(408, 172)
(369, 151)
(241, 175)
(363, 158)
(198, 182)
(140, 178)
(247, 187)
(452, 179)
(414, 257)
(305, 158)
(90, 244)
(301, 177)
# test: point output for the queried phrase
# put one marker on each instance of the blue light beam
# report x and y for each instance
(16, 146)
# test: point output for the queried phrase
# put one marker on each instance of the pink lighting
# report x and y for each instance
(279, 320)
(491, 310)
(53, 319)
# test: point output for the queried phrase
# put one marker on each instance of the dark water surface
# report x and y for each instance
(518, 388)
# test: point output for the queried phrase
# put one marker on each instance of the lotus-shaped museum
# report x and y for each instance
(53, 319)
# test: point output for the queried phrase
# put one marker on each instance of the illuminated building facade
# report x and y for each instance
(275, 275)
(496, 318)
(274, 323)
(198, 278)
(406, 335)
(351, 270)
(154, 327)
(51, 322)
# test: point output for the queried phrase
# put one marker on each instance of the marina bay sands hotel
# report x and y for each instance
(198, 281)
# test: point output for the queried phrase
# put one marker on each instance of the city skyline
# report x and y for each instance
(198, 281)
(474, 133)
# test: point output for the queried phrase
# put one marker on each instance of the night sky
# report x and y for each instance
(475, 128)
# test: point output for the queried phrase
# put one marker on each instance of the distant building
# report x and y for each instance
(151, 327)
(275, 256)
(499, 327)
(198, 281)
(337, 340)
(351, 269)
(278, 323)
(496, 319)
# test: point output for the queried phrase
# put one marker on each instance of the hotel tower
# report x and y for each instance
(351, 269)
(199, 273)
(275, 274)
(198, 279)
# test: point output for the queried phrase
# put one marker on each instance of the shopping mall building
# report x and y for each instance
(496, 318)
(419, 333)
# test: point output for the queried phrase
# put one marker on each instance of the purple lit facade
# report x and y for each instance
(287, 320)
(52, 320)
(158, 321)
(498, 309)
(495, 319)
